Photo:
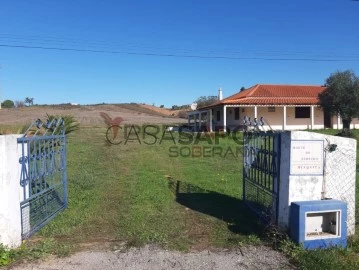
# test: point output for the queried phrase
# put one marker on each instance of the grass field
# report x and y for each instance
(128, 193)
(137, 193)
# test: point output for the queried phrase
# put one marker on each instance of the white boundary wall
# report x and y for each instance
(10, 191)
(339, 175)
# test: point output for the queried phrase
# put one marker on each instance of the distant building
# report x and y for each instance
(283, 107)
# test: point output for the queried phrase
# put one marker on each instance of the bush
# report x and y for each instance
(19, 104)
(8, 104)
(182, 114)
(182, 107)
(346, 133)
(6, 255)
(206, 101)
(71, 124)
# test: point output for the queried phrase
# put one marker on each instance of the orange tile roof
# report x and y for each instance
(268, 94)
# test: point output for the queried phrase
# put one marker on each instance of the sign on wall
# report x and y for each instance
(307, 157)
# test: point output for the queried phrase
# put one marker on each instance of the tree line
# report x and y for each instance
(17, 103)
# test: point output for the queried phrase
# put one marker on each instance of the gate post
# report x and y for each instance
(276, 175)
(11, 192)
(316, 167)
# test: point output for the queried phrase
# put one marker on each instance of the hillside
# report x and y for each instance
(89, 115)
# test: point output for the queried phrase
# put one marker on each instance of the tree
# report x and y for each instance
(8, 104)
(341, 97)
(206, 101)
(29, 101)
(181, 107)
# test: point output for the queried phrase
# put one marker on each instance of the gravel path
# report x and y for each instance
(149, 257)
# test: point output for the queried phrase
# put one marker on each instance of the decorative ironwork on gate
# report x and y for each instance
(43, 174)
(261, 161)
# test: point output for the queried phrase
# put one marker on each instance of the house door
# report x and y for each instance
(327, 120)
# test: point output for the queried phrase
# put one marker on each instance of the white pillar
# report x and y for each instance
(11, 193)
(210, 121)
(255, 112)
(224, 118)
(312, 117)
(284, 126)
(200, 121)
(338, 121)
(195, 122)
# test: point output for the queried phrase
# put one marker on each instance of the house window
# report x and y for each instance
(302, 112)
(236, 113)
(271, 109)
(218, 116)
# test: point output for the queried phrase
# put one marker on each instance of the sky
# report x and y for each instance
(169, 52)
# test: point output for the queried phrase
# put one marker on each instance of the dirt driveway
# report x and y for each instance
(150, 257)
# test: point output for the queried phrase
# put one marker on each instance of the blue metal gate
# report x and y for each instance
(43, 174)
(261, 173)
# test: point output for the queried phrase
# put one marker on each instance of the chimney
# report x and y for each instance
(220, 94)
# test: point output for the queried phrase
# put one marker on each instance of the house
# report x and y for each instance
(283, 107)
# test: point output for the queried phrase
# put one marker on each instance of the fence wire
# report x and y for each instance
(339, 171)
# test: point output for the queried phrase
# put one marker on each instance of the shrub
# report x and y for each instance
(6, 255)
(182, 114)
(71, 124)
(19, 104)
(8, 104)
